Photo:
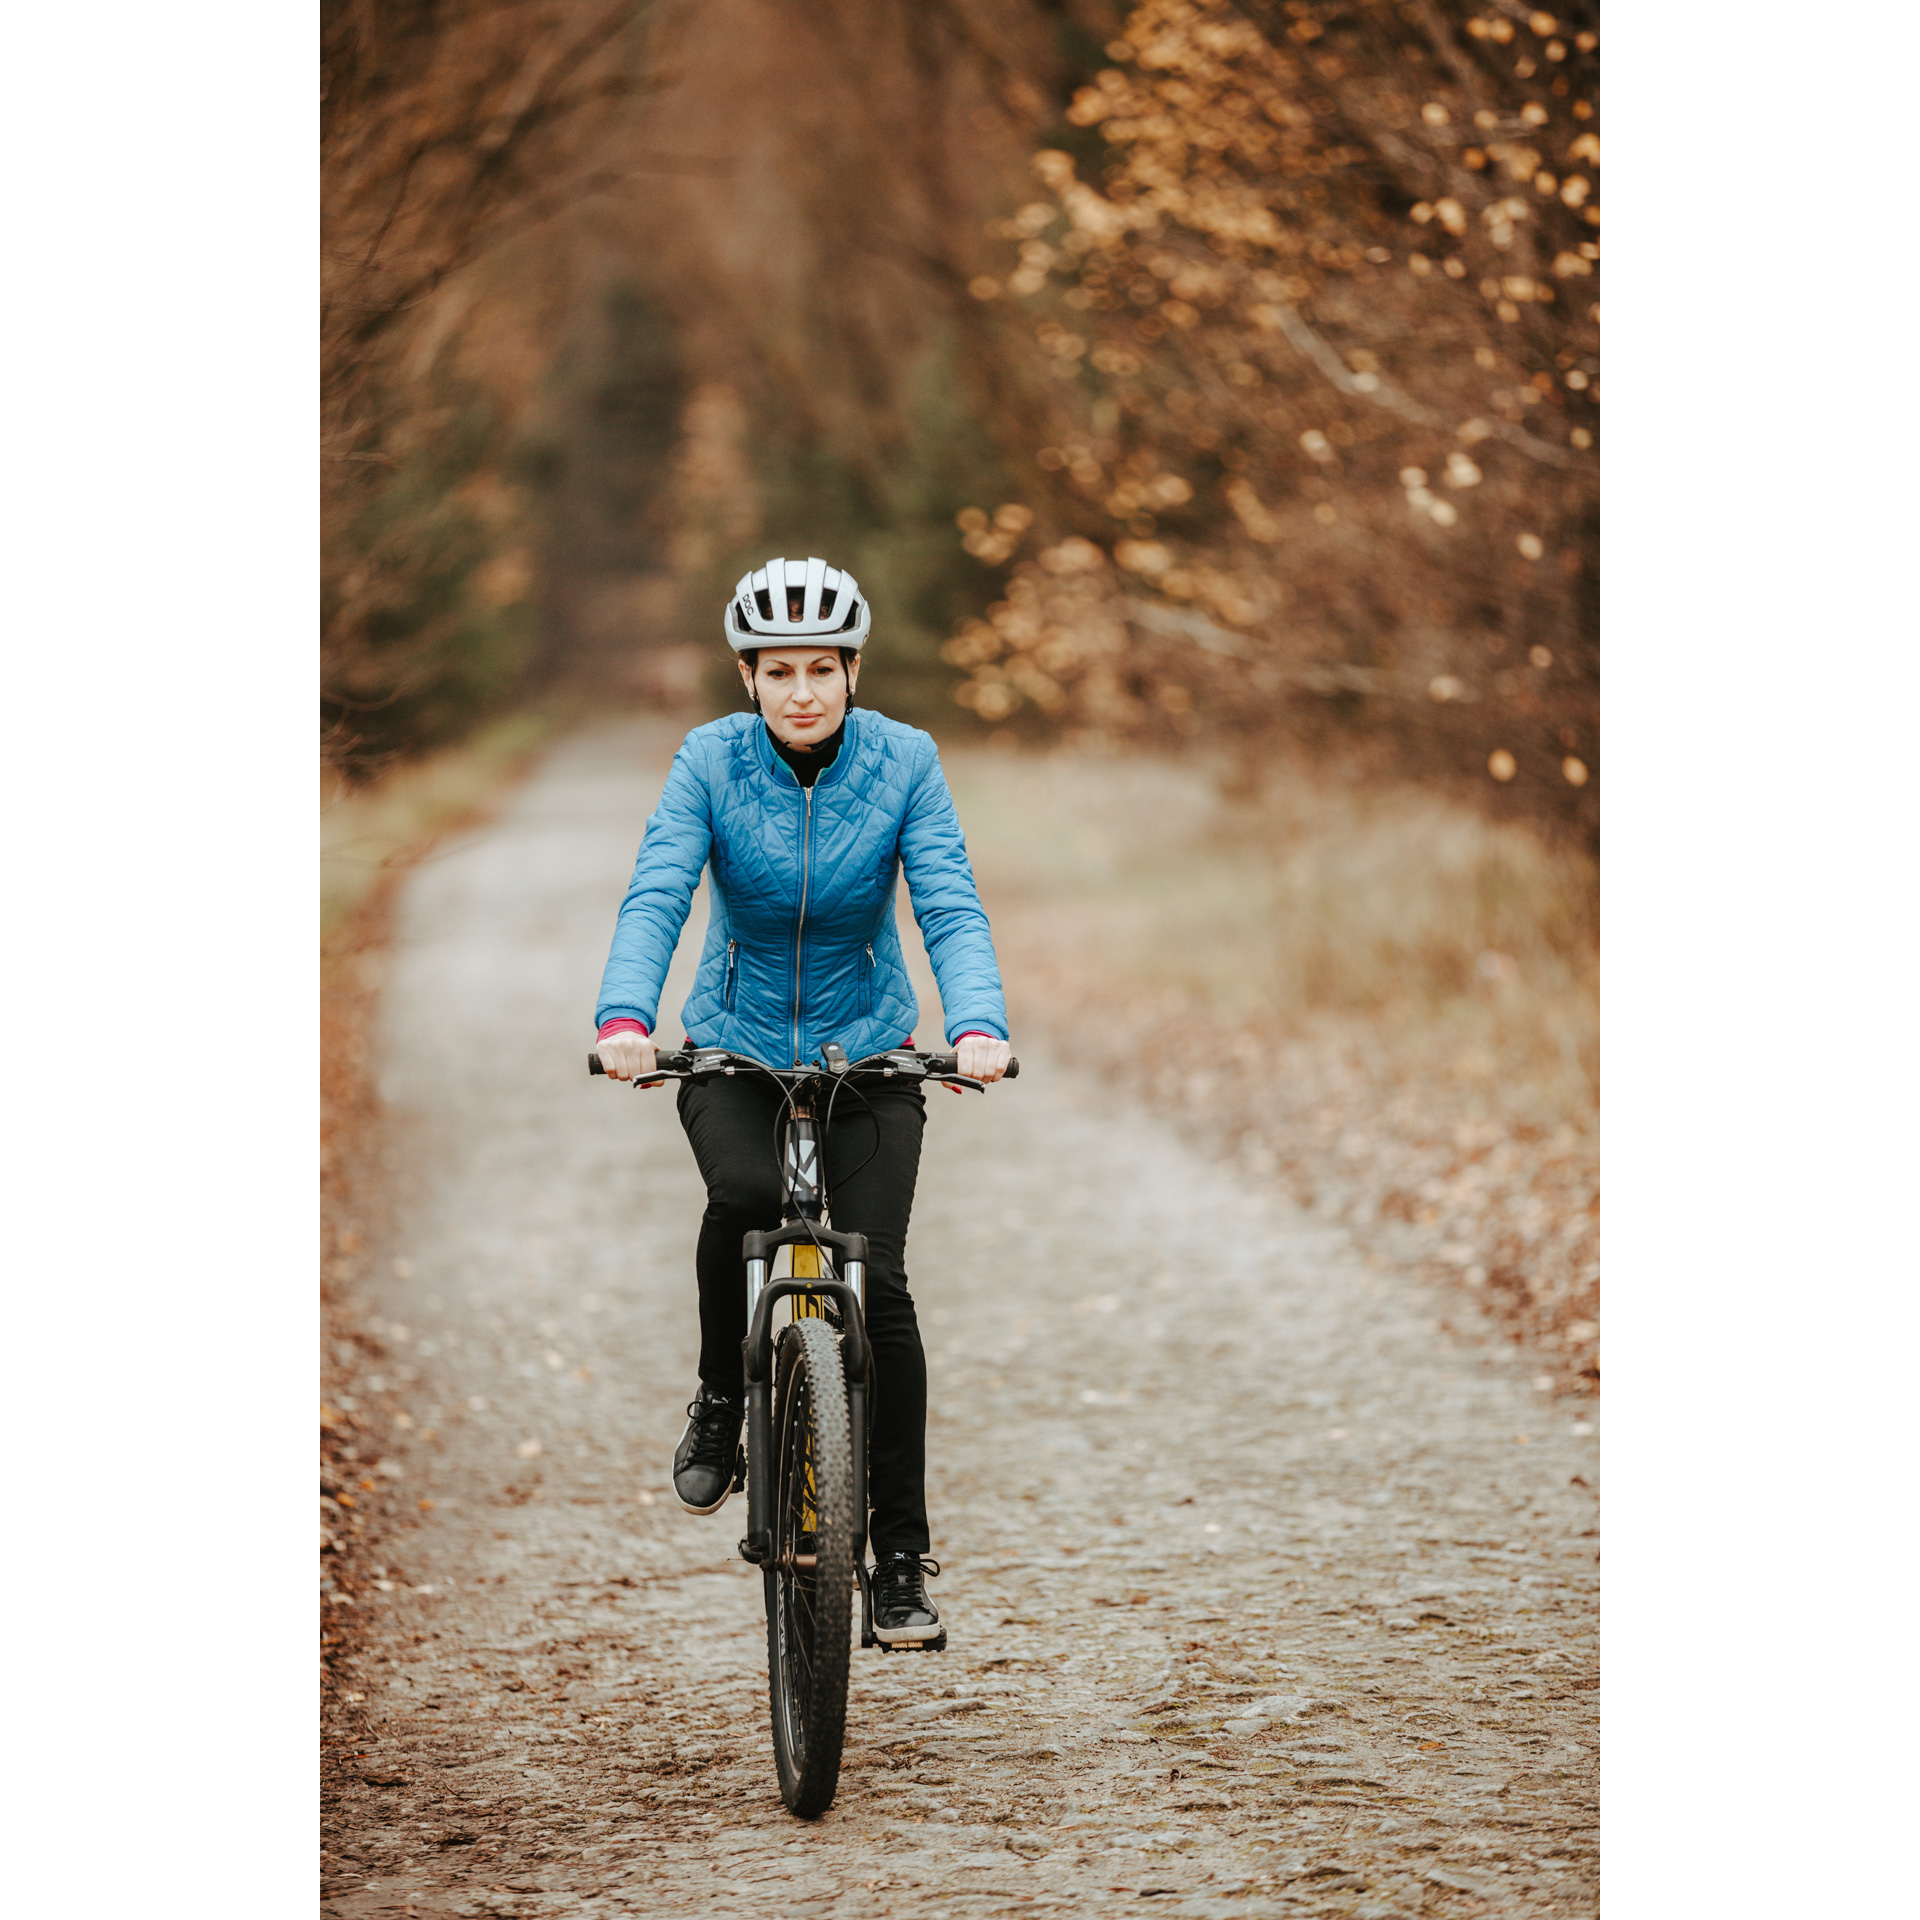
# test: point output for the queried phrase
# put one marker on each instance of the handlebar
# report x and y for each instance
(689, 1062)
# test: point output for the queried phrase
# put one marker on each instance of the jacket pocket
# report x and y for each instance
(867, 985)
(733, 970)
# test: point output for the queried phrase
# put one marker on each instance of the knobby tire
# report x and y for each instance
(810, 1610)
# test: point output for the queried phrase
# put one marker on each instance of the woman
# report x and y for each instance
(803, 815)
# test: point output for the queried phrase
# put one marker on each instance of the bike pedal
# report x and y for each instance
(740, 1471)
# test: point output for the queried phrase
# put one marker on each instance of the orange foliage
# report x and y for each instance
(1319, 335)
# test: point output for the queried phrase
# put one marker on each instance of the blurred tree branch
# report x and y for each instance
(447, 125)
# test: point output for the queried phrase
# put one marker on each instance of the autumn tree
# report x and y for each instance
(1316, 290)
(447, 128)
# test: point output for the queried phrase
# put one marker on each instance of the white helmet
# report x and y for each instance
(791, 601)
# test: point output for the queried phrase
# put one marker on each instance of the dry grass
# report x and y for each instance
(1377, 995)
(369, 833)
(369, 836)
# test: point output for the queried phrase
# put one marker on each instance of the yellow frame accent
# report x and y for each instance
(808, 1265)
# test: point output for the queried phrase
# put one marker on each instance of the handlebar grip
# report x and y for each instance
(949, 1062)
(665, 1060)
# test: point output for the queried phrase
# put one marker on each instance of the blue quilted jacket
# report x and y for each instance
(801, 945)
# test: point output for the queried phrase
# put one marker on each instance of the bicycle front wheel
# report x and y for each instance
(809, 1582)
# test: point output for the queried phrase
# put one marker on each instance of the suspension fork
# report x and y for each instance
(848, 1293)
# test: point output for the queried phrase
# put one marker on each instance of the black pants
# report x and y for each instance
(873, 1160)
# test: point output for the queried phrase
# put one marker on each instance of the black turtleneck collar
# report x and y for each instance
(810, 764)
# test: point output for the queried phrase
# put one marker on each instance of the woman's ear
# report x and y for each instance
(746, 680)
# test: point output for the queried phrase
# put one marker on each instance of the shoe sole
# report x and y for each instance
(909, 1636)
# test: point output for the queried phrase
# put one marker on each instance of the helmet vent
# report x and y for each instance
(793, 603)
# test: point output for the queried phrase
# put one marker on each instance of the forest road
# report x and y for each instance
(1266, 1595)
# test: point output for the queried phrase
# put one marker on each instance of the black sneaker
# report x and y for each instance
(902, 1613)
(706, 1463)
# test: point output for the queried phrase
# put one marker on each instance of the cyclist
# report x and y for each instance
(803, 813)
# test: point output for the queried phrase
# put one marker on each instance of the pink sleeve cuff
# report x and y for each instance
(623, 1026)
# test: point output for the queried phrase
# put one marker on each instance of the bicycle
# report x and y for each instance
(804, 1465)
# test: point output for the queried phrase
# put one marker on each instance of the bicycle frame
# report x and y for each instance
(811, 1286)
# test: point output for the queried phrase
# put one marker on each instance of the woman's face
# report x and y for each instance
(802, 691)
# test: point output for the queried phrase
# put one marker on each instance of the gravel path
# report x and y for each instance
(1265, 1596)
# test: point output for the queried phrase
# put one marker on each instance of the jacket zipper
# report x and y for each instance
(800, 924)
(873, 971)
(732, 956)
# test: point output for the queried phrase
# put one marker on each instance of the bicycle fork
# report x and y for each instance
(807, 1238)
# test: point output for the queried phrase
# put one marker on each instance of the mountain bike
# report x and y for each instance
(805, 1454)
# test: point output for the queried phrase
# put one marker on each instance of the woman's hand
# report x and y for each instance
(627, 1056)
(981, 1057)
